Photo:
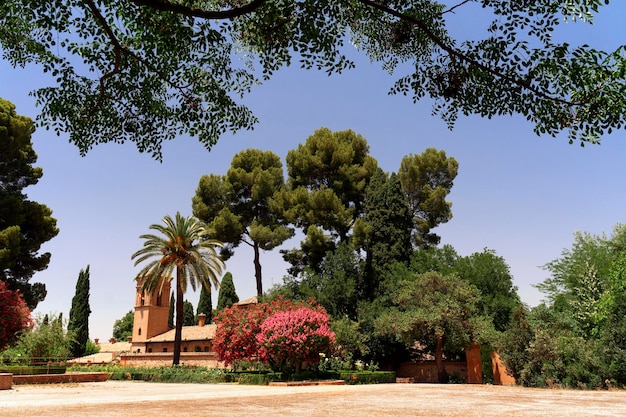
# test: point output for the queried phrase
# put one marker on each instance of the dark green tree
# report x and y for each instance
(434, 258)
(170, 315)
(24, 225)
(227, 295)
(326, 192)
(123, 327)
(205, 305)
(388, 225)
(426, 180)
(78, 325)
(189, 318)
(148, 71)
(335, 286)
(238, 207)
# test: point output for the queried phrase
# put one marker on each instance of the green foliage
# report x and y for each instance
(585, 266)
(123, 327)
(335, 286)
(238, 207)
(181, 247)
(227, 295)
(205, 304)
(426, 181)
(50, 340)
(24, 225)
(562, 360)
(79, 315)
(611, 317)
(491, 275)
(91, 348)
(578, 338)
(515, 342)
(150, 72)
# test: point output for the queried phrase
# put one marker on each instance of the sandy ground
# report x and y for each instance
(114, 398)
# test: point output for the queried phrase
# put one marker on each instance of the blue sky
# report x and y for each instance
(521, 195)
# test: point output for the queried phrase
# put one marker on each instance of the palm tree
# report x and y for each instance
(184, 248)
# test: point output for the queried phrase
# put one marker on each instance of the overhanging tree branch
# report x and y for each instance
(456, 54)
(166, 6)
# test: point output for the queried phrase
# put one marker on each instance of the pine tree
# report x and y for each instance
(227, 295)
(205, 305)
(78, 324)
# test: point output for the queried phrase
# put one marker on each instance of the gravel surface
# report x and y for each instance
(114, 398)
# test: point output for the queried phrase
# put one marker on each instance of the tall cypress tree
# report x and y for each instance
(170, 316)
(227, 295)
(389, 226)
(189, 318)
(205, 305)
(78, 324)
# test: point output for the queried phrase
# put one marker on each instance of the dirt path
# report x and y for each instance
(132, 399)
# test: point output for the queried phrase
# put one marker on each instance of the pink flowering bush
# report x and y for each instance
(290, 338)
(14, 315)
(237, 328)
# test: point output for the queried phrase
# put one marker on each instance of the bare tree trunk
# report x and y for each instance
(257, 271)
(179, 316)
(442, 377)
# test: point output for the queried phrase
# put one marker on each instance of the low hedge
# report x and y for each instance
(350, 377)
(368, 377)
(203, 375)
(33, 370)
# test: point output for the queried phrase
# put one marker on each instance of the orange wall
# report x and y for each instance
(500, 374)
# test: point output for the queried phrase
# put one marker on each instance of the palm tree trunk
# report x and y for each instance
(441, 370)
(257, 271)
(178, 335)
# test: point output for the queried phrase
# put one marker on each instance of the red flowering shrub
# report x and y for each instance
(290, 338)
(14, 315)
(237, 328)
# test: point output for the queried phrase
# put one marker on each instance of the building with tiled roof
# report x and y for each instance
(153, 335)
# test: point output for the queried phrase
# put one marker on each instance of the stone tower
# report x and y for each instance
(151, 312)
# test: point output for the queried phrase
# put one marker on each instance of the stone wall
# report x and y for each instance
(208, 359)
(426, 371)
